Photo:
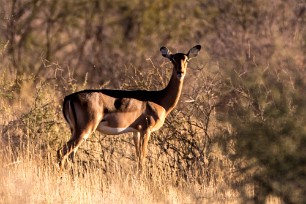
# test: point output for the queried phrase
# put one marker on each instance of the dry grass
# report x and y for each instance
(28, 180)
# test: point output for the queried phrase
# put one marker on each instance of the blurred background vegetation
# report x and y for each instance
(242, 117)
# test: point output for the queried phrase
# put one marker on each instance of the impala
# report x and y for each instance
(120, 111)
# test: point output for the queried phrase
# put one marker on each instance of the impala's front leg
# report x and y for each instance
(144, 139)
(136, 138)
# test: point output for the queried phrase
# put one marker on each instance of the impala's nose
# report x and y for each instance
(180, 75)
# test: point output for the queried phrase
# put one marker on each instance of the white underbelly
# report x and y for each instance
(114, 131)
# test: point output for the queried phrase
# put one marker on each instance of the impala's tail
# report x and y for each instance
(69, 112)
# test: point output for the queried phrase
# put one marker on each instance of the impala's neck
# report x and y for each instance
(172, 92)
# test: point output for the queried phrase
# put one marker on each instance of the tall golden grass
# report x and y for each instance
(27, 180)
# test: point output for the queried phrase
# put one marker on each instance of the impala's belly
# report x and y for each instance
(114, 130)
(117, 123)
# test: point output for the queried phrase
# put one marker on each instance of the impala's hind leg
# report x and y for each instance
(72, 145)
(83, 119)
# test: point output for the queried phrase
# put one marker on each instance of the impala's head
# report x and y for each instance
(180, 60)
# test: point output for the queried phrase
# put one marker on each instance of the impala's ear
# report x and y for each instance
(193, 52)
(165, 52)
